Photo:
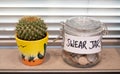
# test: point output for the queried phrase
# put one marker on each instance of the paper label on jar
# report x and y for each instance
(82, 45)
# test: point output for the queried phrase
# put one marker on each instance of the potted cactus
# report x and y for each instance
(31, 38)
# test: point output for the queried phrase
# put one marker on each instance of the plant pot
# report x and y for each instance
(32, 52)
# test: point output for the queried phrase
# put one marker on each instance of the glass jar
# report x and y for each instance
(82, 38)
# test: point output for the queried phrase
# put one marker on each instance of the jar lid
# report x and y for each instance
(83, 23)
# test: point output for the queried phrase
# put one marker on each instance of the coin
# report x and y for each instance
(92, 57)
(83, 60)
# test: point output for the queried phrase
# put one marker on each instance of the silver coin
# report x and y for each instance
(92, 57)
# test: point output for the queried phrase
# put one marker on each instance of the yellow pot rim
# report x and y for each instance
(33, 40)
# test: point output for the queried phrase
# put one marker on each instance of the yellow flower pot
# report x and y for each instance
(32, 52)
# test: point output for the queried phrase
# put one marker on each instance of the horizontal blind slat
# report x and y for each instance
(55, 27)
(58, 19)
(61, 3)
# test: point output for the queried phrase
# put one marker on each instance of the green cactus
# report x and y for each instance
(31, 28)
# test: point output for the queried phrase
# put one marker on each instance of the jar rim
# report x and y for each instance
(84, 32)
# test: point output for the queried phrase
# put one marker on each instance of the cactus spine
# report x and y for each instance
(31, 28)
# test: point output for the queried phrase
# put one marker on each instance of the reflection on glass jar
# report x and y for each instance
(82, 41)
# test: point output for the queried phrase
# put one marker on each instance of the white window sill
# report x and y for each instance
(10, 62)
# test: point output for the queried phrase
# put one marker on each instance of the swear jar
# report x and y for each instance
(82, 41)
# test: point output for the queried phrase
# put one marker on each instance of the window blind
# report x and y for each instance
(55, 11)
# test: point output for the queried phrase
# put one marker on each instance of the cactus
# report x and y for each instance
(31, 28)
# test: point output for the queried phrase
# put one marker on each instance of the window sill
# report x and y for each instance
(10, 62)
